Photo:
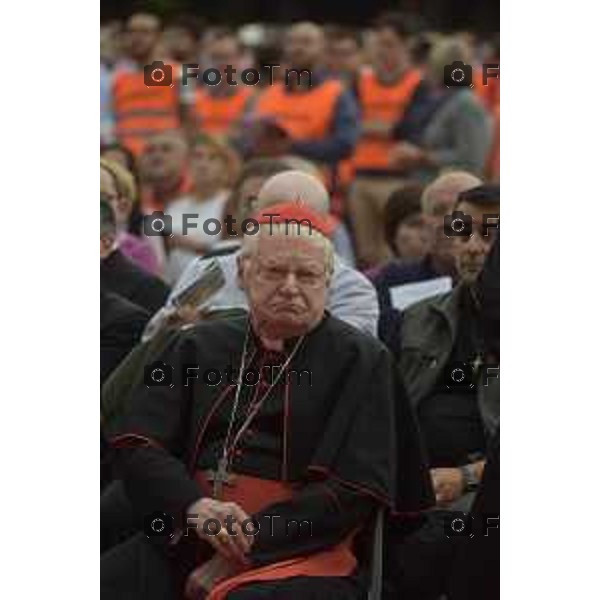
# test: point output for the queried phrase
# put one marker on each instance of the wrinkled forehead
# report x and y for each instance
(282, 249)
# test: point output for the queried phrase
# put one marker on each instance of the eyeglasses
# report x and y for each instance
(278, 274)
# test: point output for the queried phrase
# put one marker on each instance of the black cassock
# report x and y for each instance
(338, 427)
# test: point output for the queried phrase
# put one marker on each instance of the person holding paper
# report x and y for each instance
(436, 267)
(451, 381)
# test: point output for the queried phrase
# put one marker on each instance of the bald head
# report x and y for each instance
(294, 186)
(438, 200)
(303, 46)
(440, 196)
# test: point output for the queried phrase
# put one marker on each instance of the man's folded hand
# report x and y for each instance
(229, 540)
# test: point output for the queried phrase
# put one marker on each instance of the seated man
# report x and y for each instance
(352, 297)
(451, 381)
(438, 199)
(296, 426)
(121, 276)
(476, 571)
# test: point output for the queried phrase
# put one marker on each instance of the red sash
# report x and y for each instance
(254, 494)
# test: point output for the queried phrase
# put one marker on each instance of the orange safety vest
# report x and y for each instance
(304, 115)
(218, 115)
(386, 103)
(141, 111)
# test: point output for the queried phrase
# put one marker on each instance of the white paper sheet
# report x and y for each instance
(409, 293)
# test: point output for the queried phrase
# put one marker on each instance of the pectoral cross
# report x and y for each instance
(219, 478)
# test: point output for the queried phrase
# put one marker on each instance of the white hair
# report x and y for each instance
(446, 189)
(291, 229)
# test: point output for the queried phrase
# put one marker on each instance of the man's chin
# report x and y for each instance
(289, 328)
(470, 275)
(287, 325)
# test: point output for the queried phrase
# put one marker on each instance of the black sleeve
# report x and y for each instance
(148, 442)
(388, 329)
(318, 518)
(488, 287)
(119, 340)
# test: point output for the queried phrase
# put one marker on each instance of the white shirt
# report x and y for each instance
(198, 212)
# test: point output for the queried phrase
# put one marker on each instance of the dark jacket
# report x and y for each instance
(392, 274)
(119, 275)
(427, 336)
(121, 326)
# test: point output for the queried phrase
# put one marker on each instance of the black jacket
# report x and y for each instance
(119, 275)
(121, 325)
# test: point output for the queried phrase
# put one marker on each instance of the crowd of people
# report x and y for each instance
(368, 150)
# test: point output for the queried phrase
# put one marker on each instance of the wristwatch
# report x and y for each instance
(469, 477)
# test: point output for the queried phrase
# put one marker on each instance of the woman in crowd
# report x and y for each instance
(213, 166)
(404, 228)
(119, 186)
(118, 153)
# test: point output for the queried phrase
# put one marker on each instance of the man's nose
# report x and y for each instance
(290, 284)
(475, 245)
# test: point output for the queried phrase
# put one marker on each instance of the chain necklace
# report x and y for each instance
(221, 476)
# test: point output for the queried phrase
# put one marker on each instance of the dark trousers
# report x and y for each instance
(418, 562)
(117, 522)
(139, 570)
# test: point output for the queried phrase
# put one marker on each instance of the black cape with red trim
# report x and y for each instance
(353, 424)
(351, 446)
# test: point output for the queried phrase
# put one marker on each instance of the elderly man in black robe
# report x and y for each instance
(287, 417)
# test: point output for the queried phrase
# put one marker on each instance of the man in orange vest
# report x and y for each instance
(163, 167)
(344, 61)
(145, 96)
(319, 116)
(218, 109)
(385, 92)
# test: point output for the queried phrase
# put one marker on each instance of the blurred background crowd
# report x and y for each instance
(394, 149)
(376, 123)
